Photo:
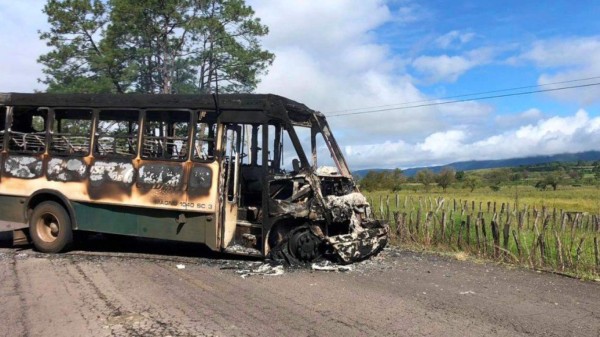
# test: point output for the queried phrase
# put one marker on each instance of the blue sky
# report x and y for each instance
(337, 55)
(505, 27)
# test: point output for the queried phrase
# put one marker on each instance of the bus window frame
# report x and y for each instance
(9, 125)
(95, 135)
(50, 130)
(215, 124)
(142, 134)
(3, 131)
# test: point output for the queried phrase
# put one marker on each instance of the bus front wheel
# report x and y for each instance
(50, 228)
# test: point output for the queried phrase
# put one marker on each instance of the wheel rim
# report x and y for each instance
(48, 227)
(305, 246)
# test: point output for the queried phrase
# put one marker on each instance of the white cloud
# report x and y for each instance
(512, 120)
(575, 133)
(567, 59)
(320, 26)
(444, 68)
(454, 38)
(443, 144)
(333, 62)
(409, 12)
(326, 55)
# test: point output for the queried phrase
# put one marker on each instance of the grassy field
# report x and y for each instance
(551, 230)
(568, 198)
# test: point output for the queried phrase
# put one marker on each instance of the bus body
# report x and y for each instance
(229, 172)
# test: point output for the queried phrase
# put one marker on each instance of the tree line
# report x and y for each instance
(544, 177)
(395, 179)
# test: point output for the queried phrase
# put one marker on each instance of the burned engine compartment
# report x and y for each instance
(331, 219)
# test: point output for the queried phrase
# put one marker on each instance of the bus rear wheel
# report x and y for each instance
(50, 228)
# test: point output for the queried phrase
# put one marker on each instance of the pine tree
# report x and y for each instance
(153, 46)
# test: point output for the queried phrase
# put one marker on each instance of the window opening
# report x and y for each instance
(324, 156)
(166, 135)
(71, 132)
(304, 134)
(2, 126)
(232, 149)
(27, 133)
(117, 133)
(251, 144)
(204, 137)
(290, 160)
(283, 157)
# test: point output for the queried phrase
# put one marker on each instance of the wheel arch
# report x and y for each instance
(280, 228)
(50, 195)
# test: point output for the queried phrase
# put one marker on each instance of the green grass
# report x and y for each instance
(567, 198)
(537, 243)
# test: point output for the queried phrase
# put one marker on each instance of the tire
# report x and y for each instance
(299, 247)
(50, 228)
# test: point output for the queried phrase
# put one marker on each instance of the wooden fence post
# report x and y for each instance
(477, 224)
(496, 237)
(468, 237)
(597, 258)
(460, 231)
(518, 244)
(443, 225)
(484, 233)
(559, 251)
(506, 235)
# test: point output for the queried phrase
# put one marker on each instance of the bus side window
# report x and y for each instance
(71, 132)
(2, 126)
(166, 135)
(117, 133)
(204, 141)
(251, 144)
(27, 133)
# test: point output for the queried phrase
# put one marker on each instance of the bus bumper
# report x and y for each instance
(361, 243)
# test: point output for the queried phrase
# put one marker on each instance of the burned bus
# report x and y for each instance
(230, 172)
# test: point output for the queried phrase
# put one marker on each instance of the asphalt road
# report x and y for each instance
(135, 288)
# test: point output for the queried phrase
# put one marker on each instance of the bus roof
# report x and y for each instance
(268, 102)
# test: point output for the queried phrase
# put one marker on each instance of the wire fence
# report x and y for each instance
(539, 237)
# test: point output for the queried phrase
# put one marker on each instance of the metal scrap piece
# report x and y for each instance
(359, 245)
(263, 269)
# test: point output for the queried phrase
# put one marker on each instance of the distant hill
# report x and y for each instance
(487, 164)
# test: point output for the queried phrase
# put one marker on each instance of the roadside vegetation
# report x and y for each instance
(541, 216)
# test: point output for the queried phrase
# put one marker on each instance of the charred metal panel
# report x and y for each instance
(111, 179)
(26, 167)
(273, 106)
(63, 169)
(160, 176)
(200, 180)
(121, 172)
(359, 245)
